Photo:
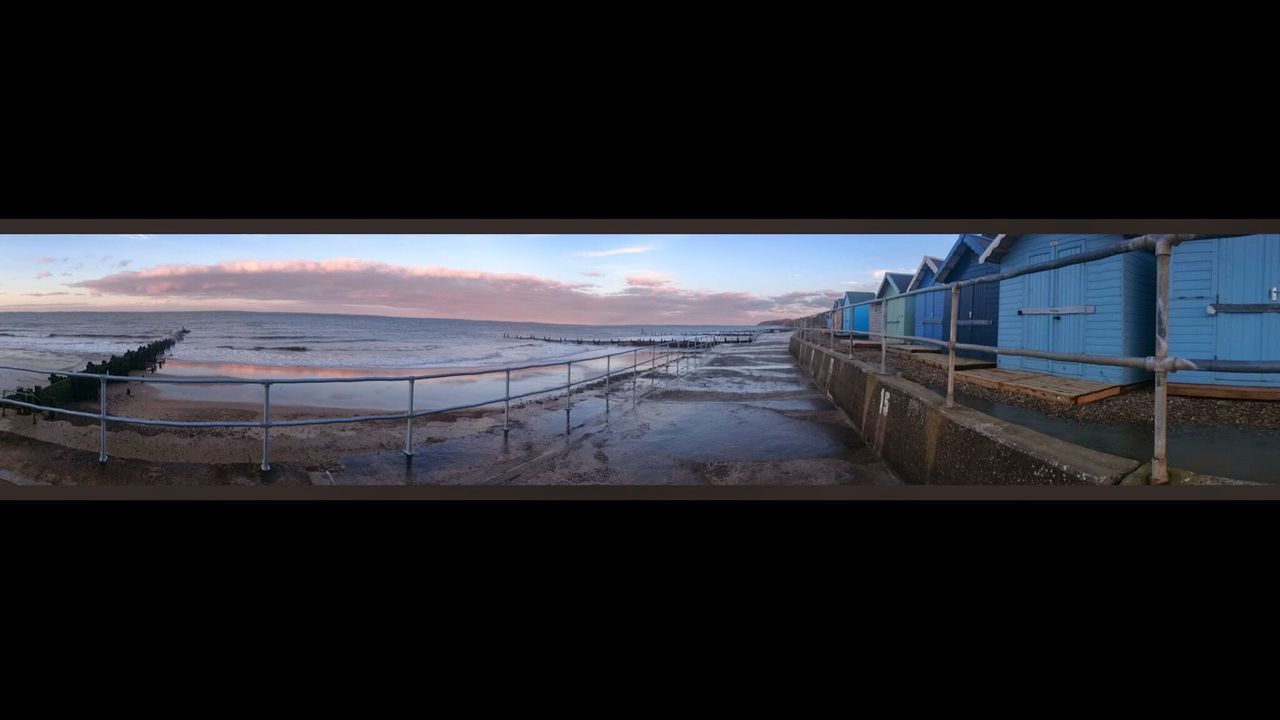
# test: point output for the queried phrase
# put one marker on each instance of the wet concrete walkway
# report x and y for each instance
(744, 415)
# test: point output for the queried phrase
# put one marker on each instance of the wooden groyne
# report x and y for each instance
(644, 342)
(63, 389)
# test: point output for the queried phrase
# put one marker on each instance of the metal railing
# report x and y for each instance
(1161, 363)
(675, 351)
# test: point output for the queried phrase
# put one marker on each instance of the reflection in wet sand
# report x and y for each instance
(379, 395)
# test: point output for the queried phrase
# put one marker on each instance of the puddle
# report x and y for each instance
(1223, 451)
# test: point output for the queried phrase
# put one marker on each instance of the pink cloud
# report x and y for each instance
(43, 274)
(361, 286)
(647, 281)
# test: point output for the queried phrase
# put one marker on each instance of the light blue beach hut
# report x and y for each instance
(1104, 307)
(1224, 304)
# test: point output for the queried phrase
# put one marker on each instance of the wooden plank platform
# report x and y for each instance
(904, 348)
(1224, 392)
(865, 344)
(992, 378)
(962, 363)
(1055, 388)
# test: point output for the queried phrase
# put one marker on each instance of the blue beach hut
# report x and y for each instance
(978, 317)
(1104, 307)
(1224, 304)
(857, 319)
(932, 309)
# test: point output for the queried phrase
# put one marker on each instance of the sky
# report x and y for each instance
(581, 279)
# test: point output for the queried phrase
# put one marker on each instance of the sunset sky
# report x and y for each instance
(592, 279)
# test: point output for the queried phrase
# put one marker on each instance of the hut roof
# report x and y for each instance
(977, 243)
(930, 263)
(899, 282)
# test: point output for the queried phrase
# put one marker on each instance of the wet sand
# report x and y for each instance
(745, 415)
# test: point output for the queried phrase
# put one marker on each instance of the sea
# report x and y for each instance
(291, 345)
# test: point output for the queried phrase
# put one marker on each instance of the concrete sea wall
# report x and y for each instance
(923, 442)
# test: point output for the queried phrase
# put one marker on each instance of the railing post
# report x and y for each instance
(951, 360)
(635, 372)
(850, 329)
(568, 395)
(608, 368)
(884, 341)
(1159, 459)
(102, 415)
(506, 404)
(408, 426)
(266, 426)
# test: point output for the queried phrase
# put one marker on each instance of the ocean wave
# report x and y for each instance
(260, 348)
(107, 335)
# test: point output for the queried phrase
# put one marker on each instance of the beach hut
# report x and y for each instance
(900, 312)
(978, 317)
(933, 310)
(835, 317)
(857, 319)
(1224, 304)
(1105, 307)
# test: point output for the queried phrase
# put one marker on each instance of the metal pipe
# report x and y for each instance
(884, 342)
(951, 353)
(1159, 460)
(408, 428)
(568, 394)
(608, 368)
(266, 427)
(506, 405)
(102, 408)
(635, 372)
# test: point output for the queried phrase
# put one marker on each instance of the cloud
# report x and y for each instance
(649, 280)
(348, 285)
(43, 274)
(591, 273)
(879, 274)
(863, 285)
(66, 274)
(50, 260)
(123, 263)
(48, 294)
(629, 250)
(137, 237)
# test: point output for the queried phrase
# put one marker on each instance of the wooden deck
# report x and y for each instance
(1224, 392)
(904, 348)
(962, 363)
(1065, 390)
(866, 344)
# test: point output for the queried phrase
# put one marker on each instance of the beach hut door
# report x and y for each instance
(1248, 267)
(1061, 332)
(1039, 328)
(1068, 328)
